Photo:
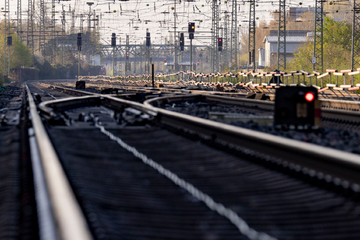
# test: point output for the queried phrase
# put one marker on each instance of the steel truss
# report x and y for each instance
(281, 46)
(318, 37)
(252, 34)
(355, 47)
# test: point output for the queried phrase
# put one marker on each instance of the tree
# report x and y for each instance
(336, 46)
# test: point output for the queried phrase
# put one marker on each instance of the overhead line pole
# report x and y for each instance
(318, 33)
(19, 20)
(281, 46)
(355, 46)
(175, 49)
(252, 34)
(234, 35)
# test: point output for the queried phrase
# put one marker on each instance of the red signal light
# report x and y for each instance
(309, 97)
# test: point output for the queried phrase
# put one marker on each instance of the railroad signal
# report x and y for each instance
(9, 41)
(182, 41)
(297, 106)
(113, 40)
(220, 43)
(191, 27)
(79, 41)
(148, 39)
(309, 96)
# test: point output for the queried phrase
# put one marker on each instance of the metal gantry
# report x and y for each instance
(234, 35)
(6, 27)
(42, 26)
(53, 31)
(30, 27)
(19, 20)
(252, 34)
(355, 47)
(281, 46)
(318, 37)
(215, 36)
(226, 39)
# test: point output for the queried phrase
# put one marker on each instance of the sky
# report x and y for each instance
(135, 16)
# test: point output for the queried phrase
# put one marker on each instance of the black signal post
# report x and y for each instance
(79, 44)
(191, 30)
(113, 44)
(148, 43)
(9, 43)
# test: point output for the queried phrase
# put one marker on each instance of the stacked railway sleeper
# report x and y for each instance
(139, 172)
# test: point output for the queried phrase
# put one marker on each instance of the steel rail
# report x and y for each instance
(334, 164)
(71, 223)
(326, 112)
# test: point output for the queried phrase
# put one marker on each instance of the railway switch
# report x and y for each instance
(297, 106)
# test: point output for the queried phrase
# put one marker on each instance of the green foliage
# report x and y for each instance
(336, 47)
(337, 32)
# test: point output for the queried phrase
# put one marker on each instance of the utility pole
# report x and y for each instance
(127, 63)
(148, 42)
(215, 35)
(191, 30)
(7, 22)
(42, 26)
(113, 44)
(53, 30)
(281, 45)
(79, 44)
(175, 48)
(355, 46)
(30, 28)
(81, 23)
(19, 20)
(234, 35)
(63, 21)
(252, 34)
(225, 53)
(317, 59)
(9, 43)
(72, 29)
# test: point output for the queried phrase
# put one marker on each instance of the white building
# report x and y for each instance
(268, 56)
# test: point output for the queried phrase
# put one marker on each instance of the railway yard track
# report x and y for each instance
(125, 162)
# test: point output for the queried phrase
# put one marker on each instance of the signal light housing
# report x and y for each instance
(297, 106)
(309, 96)
(191, 27)
(113, 40)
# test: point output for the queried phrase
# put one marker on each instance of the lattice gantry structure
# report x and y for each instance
(281, 46)
(355, 47)
(234, 35)
(19, 20)
(42, 26)
(30, 27)
(215, 36)
(252, 34)
(318, 37)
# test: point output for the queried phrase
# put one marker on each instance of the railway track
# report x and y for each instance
(139, 172)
